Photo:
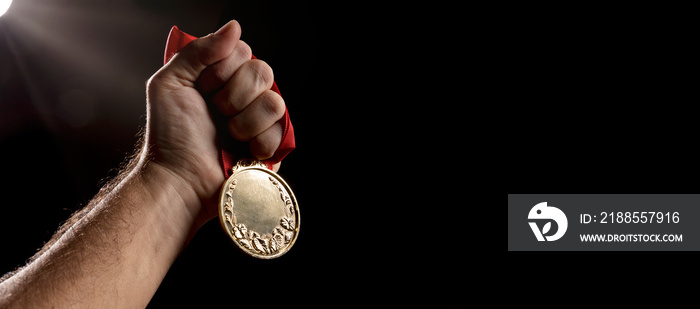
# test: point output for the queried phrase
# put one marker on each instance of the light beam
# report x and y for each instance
(4, 5)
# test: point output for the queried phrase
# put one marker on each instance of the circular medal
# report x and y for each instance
(258, 211)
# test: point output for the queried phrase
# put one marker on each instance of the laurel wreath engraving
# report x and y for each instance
(269, 243)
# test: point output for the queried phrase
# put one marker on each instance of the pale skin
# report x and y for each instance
(116, 252)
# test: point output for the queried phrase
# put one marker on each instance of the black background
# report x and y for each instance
(601, 100)
(604, 99)
(72, 101)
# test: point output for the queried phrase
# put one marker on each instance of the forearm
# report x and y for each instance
(117, 254)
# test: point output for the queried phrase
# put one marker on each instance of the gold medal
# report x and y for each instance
(258, 210)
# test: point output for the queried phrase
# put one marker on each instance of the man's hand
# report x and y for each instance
(181, 134)
(116, 251)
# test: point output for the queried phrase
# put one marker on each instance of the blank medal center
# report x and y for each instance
(257, 202)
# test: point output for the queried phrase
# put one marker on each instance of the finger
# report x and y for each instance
(216, 75)
(265, 110)
(264, 145)
(185, 67)
(248, 82)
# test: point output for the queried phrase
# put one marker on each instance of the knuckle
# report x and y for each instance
(243, 49)
(154, 80)
(273, 104)
(262, 72)
(154, 83)
(150, 84)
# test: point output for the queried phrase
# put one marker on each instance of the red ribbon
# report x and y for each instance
(178, 40)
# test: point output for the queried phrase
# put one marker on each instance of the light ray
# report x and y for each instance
(4, 5)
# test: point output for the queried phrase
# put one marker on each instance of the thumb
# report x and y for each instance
(184, 68)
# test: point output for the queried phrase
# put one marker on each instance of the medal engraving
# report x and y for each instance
(259, 212)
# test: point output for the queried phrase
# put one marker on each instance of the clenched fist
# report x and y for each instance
(181, 135)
